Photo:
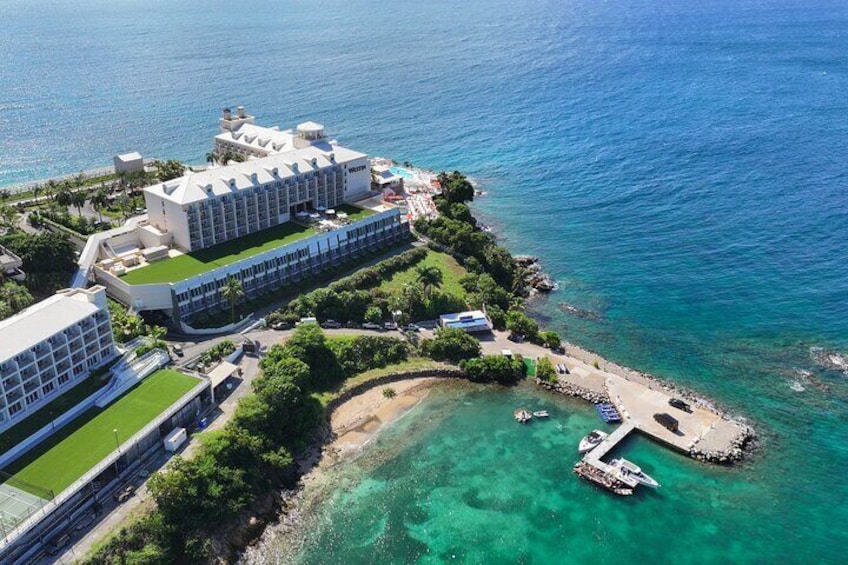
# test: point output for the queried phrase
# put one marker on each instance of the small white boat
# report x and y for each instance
(629, 469)
(541, 414)
(591, 441)
(522, 415)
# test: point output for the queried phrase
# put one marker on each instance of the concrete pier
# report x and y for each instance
(594, 457)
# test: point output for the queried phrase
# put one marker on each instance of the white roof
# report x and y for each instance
(220, 373)
(134, 156)
(310, 126)
(218, 181)
(271, 140)
(41, 321)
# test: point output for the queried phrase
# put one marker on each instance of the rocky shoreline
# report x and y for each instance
(535, 280)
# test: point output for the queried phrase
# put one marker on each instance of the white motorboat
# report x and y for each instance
(522, 415)
(591, 441)
(541, 414)
(629, 469)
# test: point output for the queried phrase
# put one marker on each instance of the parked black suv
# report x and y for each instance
(679, 404)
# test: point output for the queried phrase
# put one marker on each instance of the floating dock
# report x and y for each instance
(593, 469)
(608, 413)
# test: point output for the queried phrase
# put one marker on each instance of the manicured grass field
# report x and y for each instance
(197, 262)
(451, 273)
(90, 438)
(354, 213)
(49, 412)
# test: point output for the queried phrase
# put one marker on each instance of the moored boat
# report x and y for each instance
(627, 468)
(541, 414)
(522, 415)
(591, 441)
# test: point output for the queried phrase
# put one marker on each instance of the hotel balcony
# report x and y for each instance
(10, 384)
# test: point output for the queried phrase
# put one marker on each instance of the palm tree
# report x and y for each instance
(63, 196)
(156, 334)
(232, 292)
(100, 200)
(78, 200)
(429, 277)
(50, 188)
(36, 190)
(211, 157)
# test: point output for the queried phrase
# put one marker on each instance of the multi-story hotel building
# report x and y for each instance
(276, 212)
(49, 348)
(223, 203)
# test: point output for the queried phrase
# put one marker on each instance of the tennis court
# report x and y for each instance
(16, 504)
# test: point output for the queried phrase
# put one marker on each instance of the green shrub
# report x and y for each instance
(216, 352)
(451, 344)
(545, 370)
(494, 368)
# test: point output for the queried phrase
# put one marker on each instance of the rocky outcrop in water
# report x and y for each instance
(534, 279)
(830, 360)
(579, 312)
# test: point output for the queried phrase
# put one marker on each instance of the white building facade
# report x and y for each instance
(224, 203)
(49, 348)
(263, 272)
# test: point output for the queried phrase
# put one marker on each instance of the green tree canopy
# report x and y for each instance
(494, 368)
(451, 344)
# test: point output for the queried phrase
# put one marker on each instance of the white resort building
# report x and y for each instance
(50, 347)
(297, 205)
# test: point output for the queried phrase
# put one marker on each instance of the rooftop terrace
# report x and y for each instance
(72, 451)
(181, 267)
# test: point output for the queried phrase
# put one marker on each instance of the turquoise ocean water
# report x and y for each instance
(679, 167)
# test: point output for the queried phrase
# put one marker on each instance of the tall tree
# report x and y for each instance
(232, 292)
(78, 199)
(14, 297)
(63, 195)
(430, 277)
(100, 200)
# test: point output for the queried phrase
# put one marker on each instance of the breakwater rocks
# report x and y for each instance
(571, 389)
(742, 444)
(534, 279)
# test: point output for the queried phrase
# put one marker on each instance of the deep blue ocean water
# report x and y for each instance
(679, 167)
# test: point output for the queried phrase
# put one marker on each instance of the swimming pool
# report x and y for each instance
(401, 172)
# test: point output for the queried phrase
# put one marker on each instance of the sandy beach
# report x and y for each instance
(358, 420)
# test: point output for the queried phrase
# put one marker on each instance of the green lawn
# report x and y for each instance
(49, 412)
(90, 438)
(451, 273)
(354, 213)
(197, 262)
